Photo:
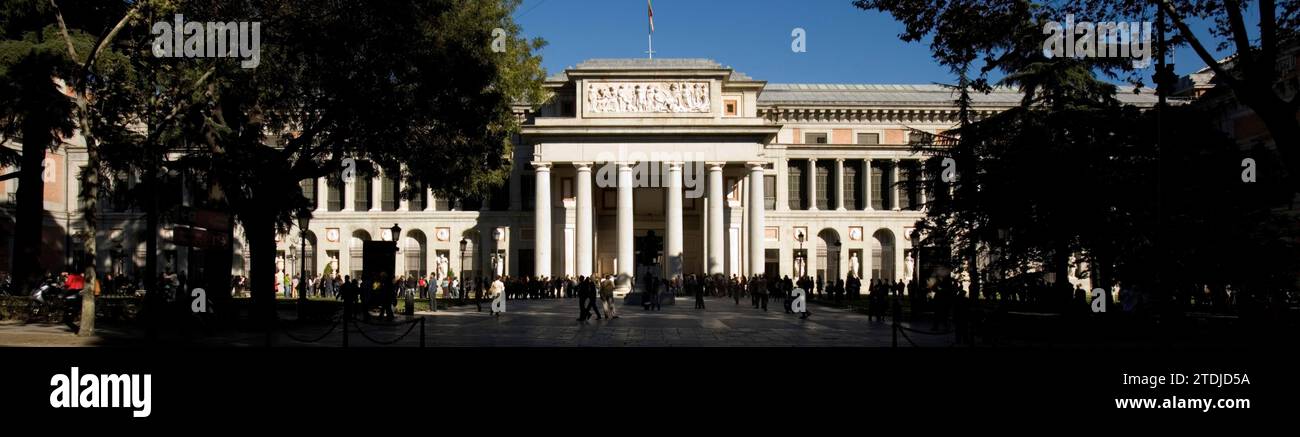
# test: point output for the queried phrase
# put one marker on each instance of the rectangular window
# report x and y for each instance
(731, 107)
(309, 190)
(824, 184)
(388, 197)
(415, 201)
(797, 189)
(877, 187)
(769, 192)
(814, 138)
(335, 188)
(868, 138)
(361, 194)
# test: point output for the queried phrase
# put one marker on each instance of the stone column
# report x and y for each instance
(542, 220)
(717, 244)
(893, 182)
(349, 194)
(839, 184)
(812, 184)
(783, 185)
(626, 263)
(673, 247)
(866, 184)
(322, 195)
(757, 227)
(584, 231)
(377, 191)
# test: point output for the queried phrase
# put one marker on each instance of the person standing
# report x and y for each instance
(698, 289)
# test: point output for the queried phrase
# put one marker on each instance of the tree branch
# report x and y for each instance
(1199, 48)
(11, 176)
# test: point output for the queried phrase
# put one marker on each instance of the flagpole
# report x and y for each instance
(651, 38)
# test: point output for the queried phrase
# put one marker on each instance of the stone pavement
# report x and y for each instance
(552, 323)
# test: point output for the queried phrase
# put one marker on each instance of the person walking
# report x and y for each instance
(607, 298)
(583, 314)
(588, 289)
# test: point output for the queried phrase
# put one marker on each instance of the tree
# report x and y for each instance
(34, 112)
(78, 82)
(417, 88)
(1008, 36)
(1071, 172)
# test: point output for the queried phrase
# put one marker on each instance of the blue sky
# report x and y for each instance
(844, 44)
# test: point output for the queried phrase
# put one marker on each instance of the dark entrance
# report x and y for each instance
(379, 260)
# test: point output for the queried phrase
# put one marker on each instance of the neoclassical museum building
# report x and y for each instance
(633, 167)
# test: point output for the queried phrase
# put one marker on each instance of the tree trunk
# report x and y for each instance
(90, 196)
(259, 230)
(31, 198)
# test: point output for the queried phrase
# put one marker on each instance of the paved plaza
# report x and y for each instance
(552, 323)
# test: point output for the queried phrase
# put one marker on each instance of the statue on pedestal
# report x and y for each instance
(853, 266)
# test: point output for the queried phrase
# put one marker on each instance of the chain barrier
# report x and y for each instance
(412, 323)
(337, 319)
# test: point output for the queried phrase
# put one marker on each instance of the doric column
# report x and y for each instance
(756, 223)
(376, 191)
(542, 220)
(812, 184)
(673, 247)
(322, 194)
(866, 184)
(717, 244)
(626, 263)
(839, 184)
(584, 231)
(893, 182)
(783, 185)
(349, 194)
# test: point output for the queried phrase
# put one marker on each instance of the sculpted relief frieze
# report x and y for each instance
(673, 97)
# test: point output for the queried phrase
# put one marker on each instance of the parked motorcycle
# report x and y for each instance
(51, 298)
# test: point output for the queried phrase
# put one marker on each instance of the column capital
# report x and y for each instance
(583, 165)
(812, 159)
(674, 165)
(839, 160)
(715, 165)
(756, 165)
(894, 160)
(625, 165)
(541, 165)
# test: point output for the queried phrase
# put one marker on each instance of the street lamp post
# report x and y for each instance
(303, 221)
